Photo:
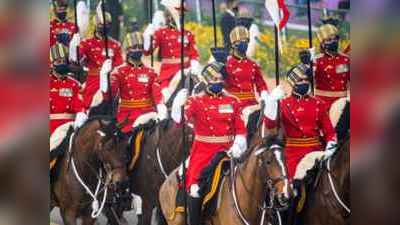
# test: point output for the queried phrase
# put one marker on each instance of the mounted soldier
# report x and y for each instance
(218, 127)
(61, 29)
(66, 108)
(168, 41)
(92, 53)
(136, 85)
(244, 78)
(303, 118)
(331, 67)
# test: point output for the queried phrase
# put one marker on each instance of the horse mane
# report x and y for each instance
(266, 142)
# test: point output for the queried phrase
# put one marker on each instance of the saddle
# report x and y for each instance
(210, 183)
(308, 184)
(60, 150)
(136, 141)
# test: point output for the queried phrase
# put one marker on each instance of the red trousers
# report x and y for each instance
(200, 157)
(294, 155)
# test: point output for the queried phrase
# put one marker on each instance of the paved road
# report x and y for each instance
(55, 218)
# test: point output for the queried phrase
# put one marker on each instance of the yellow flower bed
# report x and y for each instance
(265, 52)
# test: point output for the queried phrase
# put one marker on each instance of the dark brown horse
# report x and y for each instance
(261, 176)
(329, 201)
(161, 153)
(93, 166)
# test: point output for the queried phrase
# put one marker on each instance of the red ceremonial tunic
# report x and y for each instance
(332, 76)
(244, 79)
(138, 90)
(64, 100)
(92, 51)
(303, 119)
(168, 41)
(57, 26)
(216, 120)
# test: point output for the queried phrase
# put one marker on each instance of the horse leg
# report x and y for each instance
(69, 216)
(88, 220)
(160, 217)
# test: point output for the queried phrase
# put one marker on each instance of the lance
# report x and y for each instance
(103, 12)
(277, 72)
(151, 38)
(78, 58)
(214, 23)
(184, 144)
(310, 43)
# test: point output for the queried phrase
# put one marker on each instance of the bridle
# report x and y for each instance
(96, 206)
(269, 183)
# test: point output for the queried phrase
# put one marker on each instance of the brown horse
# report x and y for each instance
(94, 163)
(161, 153)
(261, 176)
(329, 202)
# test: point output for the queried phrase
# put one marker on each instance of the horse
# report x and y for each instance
(161, 153)
(95, 158)
(260, 176)
(329, 201)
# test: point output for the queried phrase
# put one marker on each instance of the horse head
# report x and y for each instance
(110, 147)
(271, 160)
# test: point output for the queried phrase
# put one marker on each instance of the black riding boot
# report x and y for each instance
(194, 206)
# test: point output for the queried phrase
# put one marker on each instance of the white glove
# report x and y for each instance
(177, 104)
(264, 95)
(80, 119)
(195, 67)
(239, 147)
(278, 93)
(330, 149)
(82, 17)
(148, 32)
(105, 69)
(73, 47)
(162, 112)
(158, 19)
(312, 53)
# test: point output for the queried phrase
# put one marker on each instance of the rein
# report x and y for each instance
(96, 207)
(270, 182)
(337, 197)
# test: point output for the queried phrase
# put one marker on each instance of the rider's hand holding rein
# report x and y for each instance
(179, 101)
(330, 149)
(239, 147)
(80, 119)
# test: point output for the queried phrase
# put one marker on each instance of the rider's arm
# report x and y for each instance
(325, 123)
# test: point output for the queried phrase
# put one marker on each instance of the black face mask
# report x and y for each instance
(134, 56)
(216, 88)
(62, 69)
(62, 15)
(331, 46)
(302, 89)
(100, 29)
